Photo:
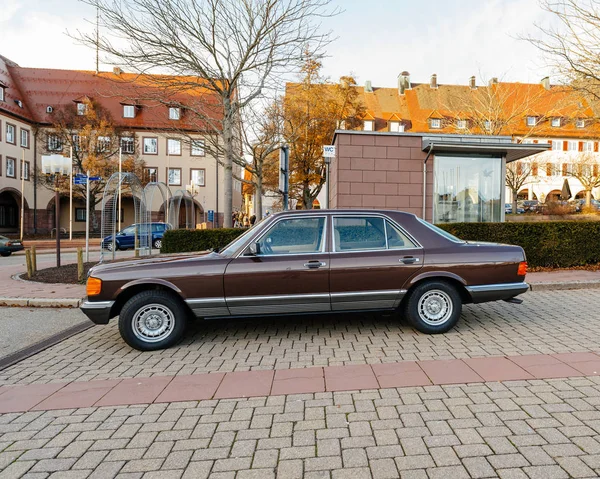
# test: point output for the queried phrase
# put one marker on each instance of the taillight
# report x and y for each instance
(93, 286)
(522, 271)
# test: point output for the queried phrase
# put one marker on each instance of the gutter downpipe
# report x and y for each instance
(425, 180)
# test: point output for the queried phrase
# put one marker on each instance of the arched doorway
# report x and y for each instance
(524, 195)
(10, 210)
(554, 195)
(581, 195)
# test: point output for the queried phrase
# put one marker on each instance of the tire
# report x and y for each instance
(6, 253)
(108, 246)
(157, 243)
(433, 307)
(165, 320)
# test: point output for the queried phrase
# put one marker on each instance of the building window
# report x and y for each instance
(174, 113)
(174, 176)
(197, 148)
(2, 93)
(173, 147)
(25, 170)
(81, 108)
(103, 144)
(128, 111)
(151, 174)
(197, 176)
(435, 123)
(368, 125)
(10, 168)
(557, 145)
(555, 122)
(396, 126)
(572, 145)
(588, 146)
(80, 214)
(531, 120)
(150, 146)
(10, 134)
(487, 124)
(534, 169)
(580, 123)
(24, 138)
(54, 143)
(128, 145)
(462, 194)
(461, 124)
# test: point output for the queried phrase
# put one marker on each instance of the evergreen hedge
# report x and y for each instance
(553, 244)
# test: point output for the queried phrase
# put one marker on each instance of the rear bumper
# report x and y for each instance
(97, 311)
(496, 292)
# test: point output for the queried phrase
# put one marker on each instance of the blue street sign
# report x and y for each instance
(211, 215)
(79, 181)
(78, 175)
(95, 178)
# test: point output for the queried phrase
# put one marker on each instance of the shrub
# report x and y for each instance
(184, 241)
(553, 244)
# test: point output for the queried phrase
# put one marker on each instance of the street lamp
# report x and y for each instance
(55, 166)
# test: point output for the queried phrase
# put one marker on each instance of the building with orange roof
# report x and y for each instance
(173, 144)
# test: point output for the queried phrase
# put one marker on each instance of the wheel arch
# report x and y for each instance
(452, 279)
(132, 288)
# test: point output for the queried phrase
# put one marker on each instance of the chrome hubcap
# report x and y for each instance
(435, 307)
(153, 323)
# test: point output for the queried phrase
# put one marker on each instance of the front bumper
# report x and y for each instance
(97, 311)
(496, 292)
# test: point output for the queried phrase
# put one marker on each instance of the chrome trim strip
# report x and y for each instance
(386, 292)
(97, 304)
(207, 301)
(484, 288)
(277, 297)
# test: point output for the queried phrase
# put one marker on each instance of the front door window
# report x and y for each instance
(294, 236)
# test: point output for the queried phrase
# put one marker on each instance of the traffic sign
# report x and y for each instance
(211, 215)
(328, 151)
(95, 178)
(79, 180)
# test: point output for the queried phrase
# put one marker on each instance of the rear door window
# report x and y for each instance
(368, 233)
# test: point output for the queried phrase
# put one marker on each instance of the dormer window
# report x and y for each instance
(580, 123)
(368, 125)
(555, 122)
(19, 103)
(461, 124)
(174, 113)
(435, 123)
(81, 108)
(396, 127)
(128, 111)
(531, 120)
(2, 94)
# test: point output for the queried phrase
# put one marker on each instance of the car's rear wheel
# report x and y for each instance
(157, 244)
(6, 253)
(152, 320)
(433, 307)
(109, 246)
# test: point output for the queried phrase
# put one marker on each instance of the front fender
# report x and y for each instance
(145, 281)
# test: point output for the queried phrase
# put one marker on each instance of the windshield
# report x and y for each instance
(229, 250)
(441, 232)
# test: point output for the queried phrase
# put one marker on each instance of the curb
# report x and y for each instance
(566, 285)
(40, 302)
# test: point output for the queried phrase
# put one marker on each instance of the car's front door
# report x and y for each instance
(127, 237)
(372, 258)
(288, 272)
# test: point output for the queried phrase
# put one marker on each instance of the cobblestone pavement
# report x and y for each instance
(547, 322)
(538, 429)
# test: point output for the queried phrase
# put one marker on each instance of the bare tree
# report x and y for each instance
(585, 168)
(233, 49)
(517, 174)
(571, 43)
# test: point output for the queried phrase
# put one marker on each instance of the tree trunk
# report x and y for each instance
(258, 201)
(588, 198)
(227, 162)
(514, 201)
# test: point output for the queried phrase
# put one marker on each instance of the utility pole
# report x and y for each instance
(22, 190)
(284, 175)
(87, 217)
(71, 198)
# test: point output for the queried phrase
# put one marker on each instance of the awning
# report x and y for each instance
(511, 151)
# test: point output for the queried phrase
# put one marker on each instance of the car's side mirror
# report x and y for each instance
(254, 249)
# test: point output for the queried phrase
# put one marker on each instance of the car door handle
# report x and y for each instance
(314, 264)
(409, 260)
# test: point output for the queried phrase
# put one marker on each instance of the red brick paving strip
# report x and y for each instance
(293, 381)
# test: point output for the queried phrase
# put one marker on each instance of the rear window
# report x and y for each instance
(441, 232)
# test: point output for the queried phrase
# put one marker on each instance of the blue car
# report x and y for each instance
(125, 238)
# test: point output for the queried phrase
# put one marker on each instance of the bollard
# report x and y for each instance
(28, 261)
(80, 270)
(34, 259)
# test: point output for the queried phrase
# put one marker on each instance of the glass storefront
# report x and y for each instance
(467, 189)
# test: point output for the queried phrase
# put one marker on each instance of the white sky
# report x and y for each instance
(376, 39)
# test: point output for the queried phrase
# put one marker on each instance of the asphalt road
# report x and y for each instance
(23, 327)
(47, 260)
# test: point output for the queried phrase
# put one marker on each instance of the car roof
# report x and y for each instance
(344, 212)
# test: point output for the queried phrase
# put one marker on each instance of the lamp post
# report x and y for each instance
(327, 160)
(55, 166)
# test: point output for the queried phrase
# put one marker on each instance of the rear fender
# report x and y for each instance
(434, 274)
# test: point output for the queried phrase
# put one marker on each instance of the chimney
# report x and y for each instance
(433, 81)
(494, 81)
(472, 83)
(546, 83)
(368, 87)
(117, 70)
(403, 82)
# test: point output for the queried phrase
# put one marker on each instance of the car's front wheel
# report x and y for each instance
(152, 320)
(6, 253)
(157, 243)
(433, 307)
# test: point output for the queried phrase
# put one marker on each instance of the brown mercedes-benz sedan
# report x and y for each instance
(316, 261)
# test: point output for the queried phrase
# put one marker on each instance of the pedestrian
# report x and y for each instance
(252, 220)
(233, 219)
(246, 221)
